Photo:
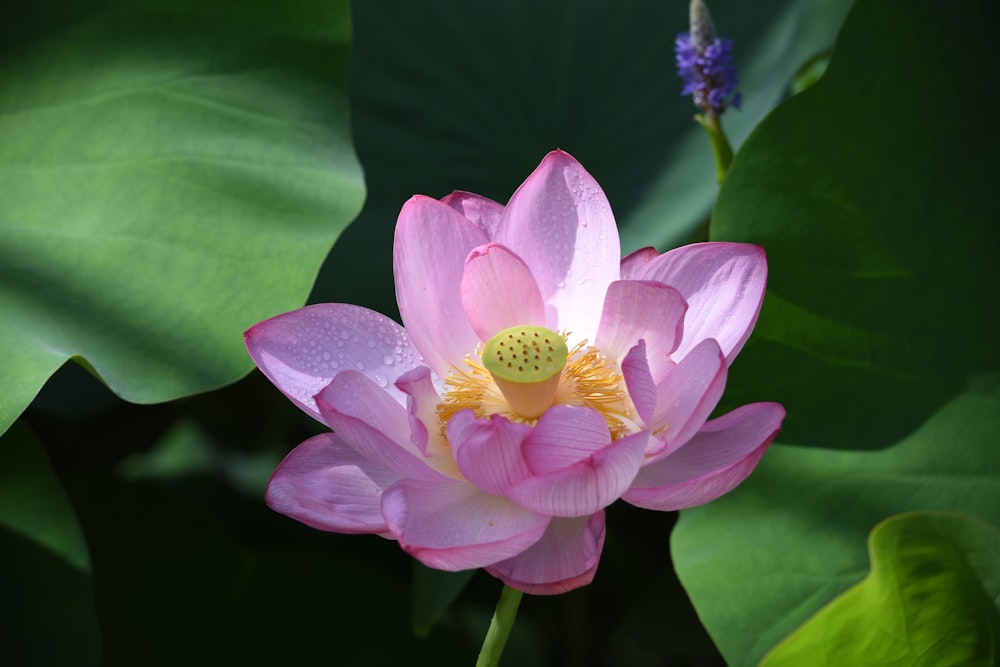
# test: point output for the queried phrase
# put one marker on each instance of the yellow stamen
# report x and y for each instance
(588, 379)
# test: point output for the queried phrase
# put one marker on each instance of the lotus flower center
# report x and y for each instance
(526, 364)
(523, 371)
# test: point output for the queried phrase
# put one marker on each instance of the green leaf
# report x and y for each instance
(928, 602)
(761, 560)
(46, 574)
(470, 96)
(170, 174)
(873, 194)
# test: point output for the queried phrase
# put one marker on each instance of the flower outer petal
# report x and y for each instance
(488, 451)
(639, 381)
(373, 424)
(431, 243)
(422, 399)
(716, 460)
(302, 350)
(635, 309)
(498, 291)
(634, 263)
(482, 211)
(327, 485)
(587, 486)
(687, 395)
(455, 526)
(560, 223)
(576, 468)
(723, 284)
(565, 558)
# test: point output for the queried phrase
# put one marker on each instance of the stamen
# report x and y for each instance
(588, 379)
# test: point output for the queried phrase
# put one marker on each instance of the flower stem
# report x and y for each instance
(500, 626)
(721, 149)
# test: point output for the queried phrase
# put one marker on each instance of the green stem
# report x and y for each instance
(721, 149)
(500, 626)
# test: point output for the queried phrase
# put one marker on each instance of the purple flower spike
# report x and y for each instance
(705, 63)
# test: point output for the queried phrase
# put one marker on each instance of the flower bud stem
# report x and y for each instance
(500, 627)
(721, 150)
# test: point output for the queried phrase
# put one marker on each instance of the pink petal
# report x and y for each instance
(425, 433)
(488, 451)
(723, 284)
(498, 291)
(639, 381)
(455, 526)
(327, 485)
(634, 263)
(638, 309)
(482, 211)
(431, 243)
(373, 424)
(687, 395)
(578, 469)
(560, 223)
(565, 558)
(712, 463)
(301, 351)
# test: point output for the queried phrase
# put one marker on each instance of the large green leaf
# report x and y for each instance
(45, 574)
(470, 96)
(873, 195)
(171, 173)
(760, 561)
(928, 602)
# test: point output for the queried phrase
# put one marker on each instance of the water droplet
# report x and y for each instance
(360, 366)
(387, 360)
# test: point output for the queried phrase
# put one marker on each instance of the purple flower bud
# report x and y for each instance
(705, 63)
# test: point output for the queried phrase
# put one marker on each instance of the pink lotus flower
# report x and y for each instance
(538, 379)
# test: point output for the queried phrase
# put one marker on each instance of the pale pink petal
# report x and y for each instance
(712, 463)
(564, 435)
(578, 469)
(687, 395)
(455, 526)
(431, 243)
(488, 451)
(301, 351)
(639, 381)
(723, 284)
(482, 211)
(636, 309)
(498, 291)
(634, 263)
(327, 485)
(560, 223)
(565, 558)
(422, 399)
(373, 424)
